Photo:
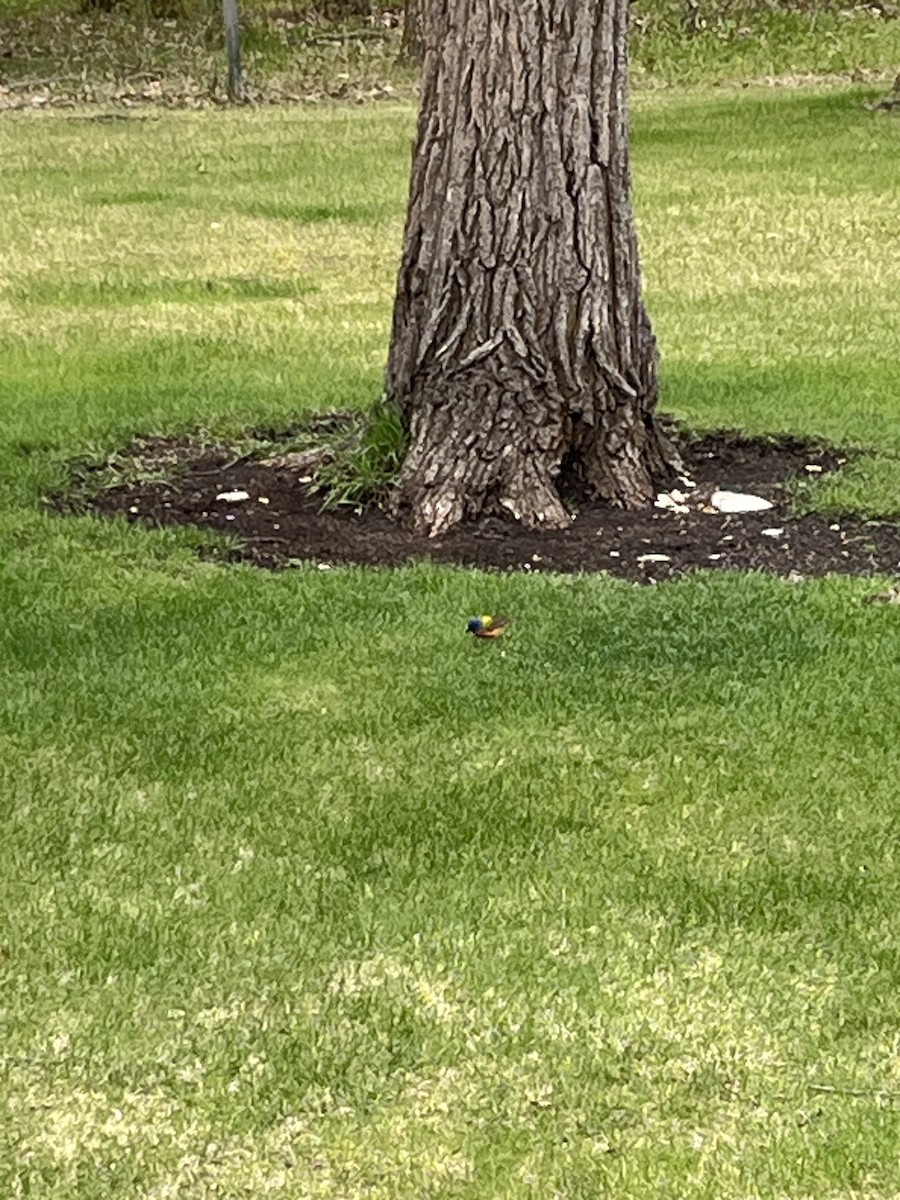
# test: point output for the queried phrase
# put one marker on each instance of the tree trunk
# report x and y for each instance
(521, 347)
(412, 46)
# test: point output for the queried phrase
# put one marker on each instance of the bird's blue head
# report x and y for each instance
(474, 625)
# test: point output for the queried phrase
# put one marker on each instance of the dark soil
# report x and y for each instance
(282, 523)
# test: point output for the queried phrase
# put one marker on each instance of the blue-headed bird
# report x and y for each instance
(487, 627)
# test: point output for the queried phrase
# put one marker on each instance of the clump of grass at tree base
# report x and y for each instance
(365, 465)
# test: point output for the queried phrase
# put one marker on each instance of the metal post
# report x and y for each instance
(235, 88)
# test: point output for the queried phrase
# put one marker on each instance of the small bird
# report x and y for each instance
(487, 627)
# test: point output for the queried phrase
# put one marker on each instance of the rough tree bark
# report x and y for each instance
(413, 44)
(521, 347)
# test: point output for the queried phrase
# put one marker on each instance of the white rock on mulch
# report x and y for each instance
(674, 501)
(773, 532)
(738, 502)
(233, 497)
(653, 558)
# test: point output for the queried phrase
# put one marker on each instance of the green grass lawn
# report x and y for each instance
(306, 893)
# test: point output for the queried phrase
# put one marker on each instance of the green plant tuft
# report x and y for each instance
(366, 464)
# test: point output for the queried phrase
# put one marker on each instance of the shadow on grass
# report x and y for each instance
(114, 198)
(314, 214)
(802, 120)
(849, 402)
(65, 292)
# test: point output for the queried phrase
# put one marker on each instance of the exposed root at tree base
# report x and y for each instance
(434, 512)
(446, 488)
(281, 523)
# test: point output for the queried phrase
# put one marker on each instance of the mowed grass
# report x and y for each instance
(304, 892)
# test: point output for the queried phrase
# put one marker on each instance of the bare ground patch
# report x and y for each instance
(267, 501)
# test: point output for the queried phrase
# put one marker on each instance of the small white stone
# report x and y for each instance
(264, 499)
(233, 497)
(835, 528)
(324, 566)
(614, 554)
(229, 516)
(673, 501)
(738, 502)
(772, 532)
(714, 557)
(134, 508)
(653, 558)
(814, 468)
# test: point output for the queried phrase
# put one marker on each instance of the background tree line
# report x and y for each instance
(722, 17)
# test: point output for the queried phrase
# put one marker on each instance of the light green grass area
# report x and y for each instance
(304, 892)
(767, 226)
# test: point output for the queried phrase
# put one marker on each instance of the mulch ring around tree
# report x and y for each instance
(275, 520)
